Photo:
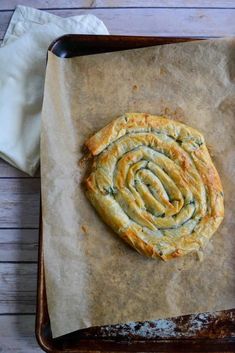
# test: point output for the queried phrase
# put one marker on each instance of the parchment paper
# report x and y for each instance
(92, 276)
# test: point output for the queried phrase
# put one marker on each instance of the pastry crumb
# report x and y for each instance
(162, 71)
(200, 255)
(84, 159)
(84, 229)
(134, 87)
(174, 114)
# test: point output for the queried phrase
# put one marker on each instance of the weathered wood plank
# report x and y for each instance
(7, 170)
(18, 287)
(160, 22)
(19, 203)
(45, 4)
(163, 22)
(17, 334)
(18, 245)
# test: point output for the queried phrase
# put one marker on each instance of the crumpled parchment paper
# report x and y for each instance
(92, 276)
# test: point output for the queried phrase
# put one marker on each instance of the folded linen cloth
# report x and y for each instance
(22, 70)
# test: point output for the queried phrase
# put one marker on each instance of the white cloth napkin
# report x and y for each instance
(22, 70)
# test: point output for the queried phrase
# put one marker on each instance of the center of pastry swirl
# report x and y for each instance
(154, 182)
(154, 189)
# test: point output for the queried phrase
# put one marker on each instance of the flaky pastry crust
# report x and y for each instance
(153, 182)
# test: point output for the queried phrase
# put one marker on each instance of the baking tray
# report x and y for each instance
(205, 332)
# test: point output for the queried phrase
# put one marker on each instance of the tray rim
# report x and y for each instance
(117, 38)
(40, 305)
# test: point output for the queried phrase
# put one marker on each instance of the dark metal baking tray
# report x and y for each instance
(205, 332)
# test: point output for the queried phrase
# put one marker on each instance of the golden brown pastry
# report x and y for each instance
(153, 182)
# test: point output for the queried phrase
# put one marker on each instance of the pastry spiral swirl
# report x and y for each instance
(153, 182)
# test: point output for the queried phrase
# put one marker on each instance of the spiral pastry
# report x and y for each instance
(153, 182)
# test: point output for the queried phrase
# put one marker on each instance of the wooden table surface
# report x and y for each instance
(19, 193)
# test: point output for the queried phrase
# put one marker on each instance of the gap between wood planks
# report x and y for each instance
(10, 4)
(19, 245)
(18, 288)
(19, 203)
